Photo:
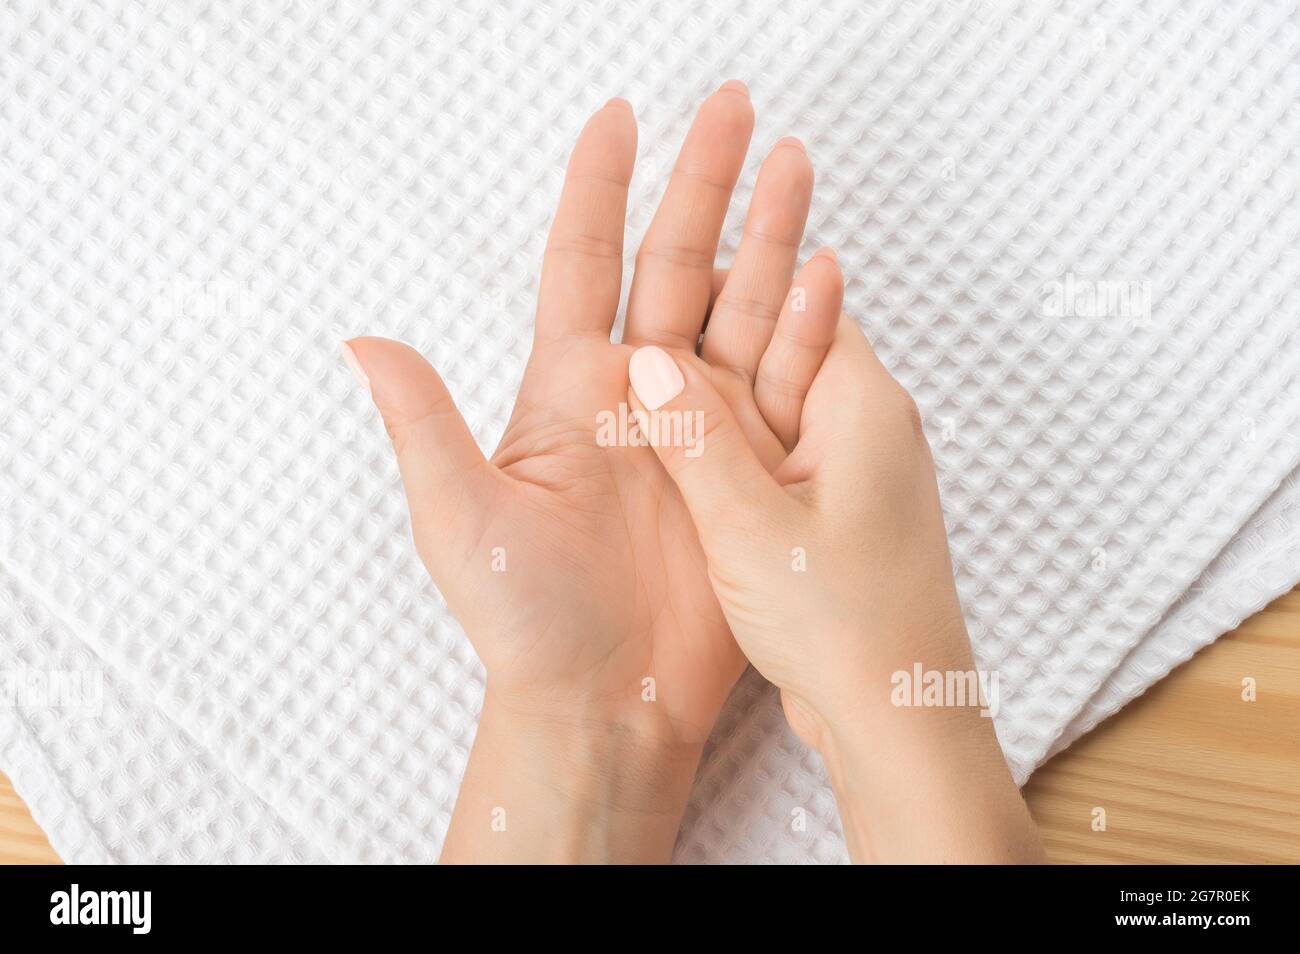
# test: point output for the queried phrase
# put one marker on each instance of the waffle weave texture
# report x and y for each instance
(197, 202)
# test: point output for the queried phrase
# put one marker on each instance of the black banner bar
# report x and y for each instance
(136, 905)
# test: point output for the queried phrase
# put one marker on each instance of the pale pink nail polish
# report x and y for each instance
(655, 377)
(350, 358)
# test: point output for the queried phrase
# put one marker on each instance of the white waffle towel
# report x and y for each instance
(1071, 229)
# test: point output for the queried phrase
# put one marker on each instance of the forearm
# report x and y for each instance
(564, 784)
(928, 786)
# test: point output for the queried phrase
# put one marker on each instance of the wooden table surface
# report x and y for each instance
(1189, 773)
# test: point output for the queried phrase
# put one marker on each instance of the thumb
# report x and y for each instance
(698, 439)
(446, 477)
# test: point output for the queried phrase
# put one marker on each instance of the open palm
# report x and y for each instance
(571, 562)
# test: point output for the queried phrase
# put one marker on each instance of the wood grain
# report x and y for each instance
(1189, 773)
(21, 841)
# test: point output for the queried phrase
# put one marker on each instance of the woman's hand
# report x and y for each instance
(570, 560)
(834, 575)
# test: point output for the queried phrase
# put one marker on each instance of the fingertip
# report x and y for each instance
(816, 300)
(787, 176)
(822, 275)
(398, 376)
(606, 147)
(782, 196)
(732, 102)
(367, 348)
(353, 364)
(791, 155)
(622, 113)
(655, 377)
(363, 350)
(616, 113)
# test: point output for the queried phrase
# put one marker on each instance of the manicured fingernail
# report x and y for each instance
(655, 377)
(619, 101)
(828, 252)
(350, 358)
(794, 141)
(737, 85)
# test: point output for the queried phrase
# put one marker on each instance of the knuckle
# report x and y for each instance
(398, 435)
(901, 414)
(585, 245)
(771, 237)
(674, 255)
(728, 376)
(909, 412)
(701, 176)
(748, 306)
(782, 384)
(892, 414)
(404, 430)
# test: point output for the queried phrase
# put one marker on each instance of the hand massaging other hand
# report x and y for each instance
(573, 562)
(834, 575)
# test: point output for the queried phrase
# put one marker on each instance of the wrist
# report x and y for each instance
(570, 780)
(640, 728)
(620, 756)
(926, 786)
(900, 679)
